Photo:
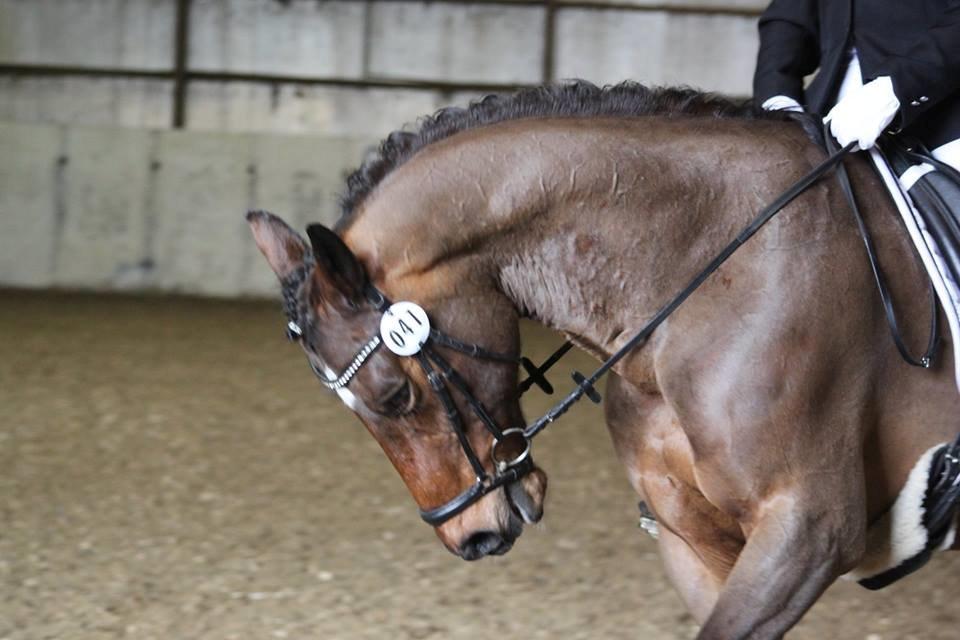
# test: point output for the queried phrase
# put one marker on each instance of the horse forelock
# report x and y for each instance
(576, 99)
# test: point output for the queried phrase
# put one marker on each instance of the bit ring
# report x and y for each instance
(506, 438)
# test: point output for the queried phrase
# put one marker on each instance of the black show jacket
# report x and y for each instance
(915, 42)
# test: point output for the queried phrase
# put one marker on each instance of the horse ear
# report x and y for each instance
(336, 260)
(283, 247)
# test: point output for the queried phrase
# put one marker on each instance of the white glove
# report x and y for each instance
(781, 103)
(864, 113)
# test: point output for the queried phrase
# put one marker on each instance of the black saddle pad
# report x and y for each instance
(936, 196)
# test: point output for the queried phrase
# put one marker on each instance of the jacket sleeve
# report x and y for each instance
(929, 70)
(789, 49)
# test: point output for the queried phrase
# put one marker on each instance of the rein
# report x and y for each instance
(512, 447)
(881, 281)
(585, 384)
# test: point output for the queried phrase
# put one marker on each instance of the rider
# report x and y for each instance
(884, 65)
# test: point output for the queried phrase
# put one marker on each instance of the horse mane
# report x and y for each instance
(577, 98)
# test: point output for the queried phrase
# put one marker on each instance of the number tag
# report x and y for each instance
(404, 328)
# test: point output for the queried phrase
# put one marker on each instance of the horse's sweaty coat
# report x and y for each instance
(767, 423)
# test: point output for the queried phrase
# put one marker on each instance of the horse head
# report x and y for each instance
(435, 417)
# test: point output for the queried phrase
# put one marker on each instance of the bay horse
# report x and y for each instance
(769, 423)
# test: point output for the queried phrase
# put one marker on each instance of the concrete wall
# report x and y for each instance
(291, 108)
(312, 39)
(669, 42)
(96, 191)
(128, 34)
(713, 52)
(697, 5)
(498, 44)
(126, 102)
(118, 208)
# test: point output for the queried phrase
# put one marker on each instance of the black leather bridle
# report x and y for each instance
(511, 447)
(511, 451)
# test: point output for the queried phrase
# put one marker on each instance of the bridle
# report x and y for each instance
(511, 451)
(511, 447)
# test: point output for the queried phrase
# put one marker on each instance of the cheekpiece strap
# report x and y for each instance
(376, 298)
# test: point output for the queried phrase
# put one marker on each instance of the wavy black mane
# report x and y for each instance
(568, 99)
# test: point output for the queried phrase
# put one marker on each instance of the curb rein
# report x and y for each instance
(512, 447)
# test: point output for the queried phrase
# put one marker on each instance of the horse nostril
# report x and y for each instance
(483, 543)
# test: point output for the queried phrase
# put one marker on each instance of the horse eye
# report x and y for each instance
(400, 401)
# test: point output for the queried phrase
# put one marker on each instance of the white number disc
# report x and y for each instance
(404, 328)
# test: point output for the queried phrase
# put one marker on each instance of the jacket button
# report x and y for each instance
(924, 99)
(915, 103)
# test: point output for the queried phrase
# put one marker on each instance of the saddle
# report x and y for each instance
(934, 188)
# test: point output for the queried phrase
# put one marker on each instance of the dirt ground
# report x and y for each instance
(169, 469)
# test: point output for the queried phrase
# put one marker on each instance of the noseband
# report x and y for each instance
(511, 447)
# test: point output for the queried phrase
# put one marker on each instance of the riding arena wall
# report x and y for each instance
(137, 133)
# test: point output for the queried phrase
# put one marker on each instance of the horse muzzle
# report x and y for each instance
(485, 543)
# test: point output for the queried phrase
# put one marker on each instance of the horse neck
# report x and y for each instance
(585, 225)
